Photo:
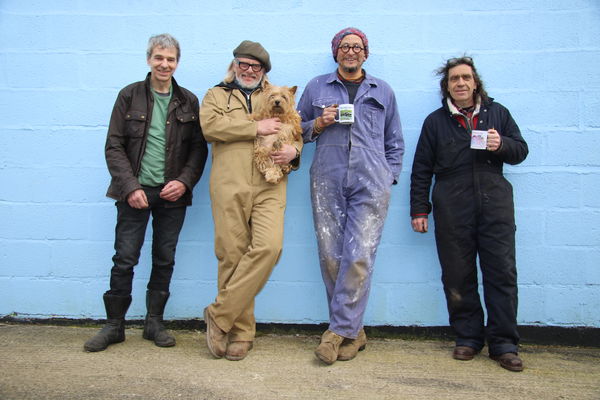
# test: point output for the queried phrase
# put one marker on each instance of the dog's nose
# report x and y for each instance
(277, 102)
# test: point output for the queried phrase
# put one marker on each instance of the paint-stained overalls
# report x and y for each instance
(352, 172)
(474, 216)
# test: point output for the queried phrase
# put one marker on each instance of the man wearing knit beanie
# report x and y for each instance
(247, 210)
(354, 167)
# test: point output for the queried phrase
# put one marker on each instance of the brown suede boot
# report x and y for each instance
(328, 350)
(237, 351)
(216, 339)
(350, 347)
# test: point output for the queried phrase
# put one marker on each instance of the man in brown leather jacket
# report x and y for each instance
(155, 154)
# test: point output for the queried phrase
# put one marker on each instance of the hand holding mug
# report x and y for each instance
(328, 116)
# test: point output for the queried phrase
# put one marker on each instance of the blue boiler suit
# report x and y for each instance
(351, 175)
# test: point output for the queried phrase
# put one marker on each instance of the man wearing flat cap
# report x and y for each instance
(356, 161)
(247, 210)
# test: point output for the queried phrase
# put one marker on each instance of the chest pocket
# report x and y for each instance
(135, 123)
(322, 102)
(185, 117)
(373, 113)
(186, 120)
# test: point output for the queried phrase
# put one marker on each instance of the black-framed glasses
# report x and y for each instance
(346, 48)
(244, 66)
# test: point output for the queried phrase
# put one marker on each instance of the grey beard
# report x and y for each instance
(350, 70)
(247, 87)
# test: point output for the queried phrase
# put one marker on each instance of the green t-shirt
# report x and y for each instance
(152, 172)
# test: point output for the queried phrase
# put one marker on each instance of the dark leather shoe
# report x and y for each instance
(510, 361)
(464, 353)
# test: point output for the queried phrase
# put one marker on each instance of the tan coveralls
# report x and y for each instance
(248, 211)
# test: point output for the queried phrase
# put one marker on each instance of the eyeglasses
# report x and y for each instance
(459, 60)
(346, 48)
(244, 66)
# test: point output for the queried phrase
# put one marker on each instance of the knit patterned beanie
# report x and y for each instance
(335, 42)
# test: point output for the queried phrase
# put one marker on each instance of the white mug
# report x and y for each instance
(479, 140)
(345, 114)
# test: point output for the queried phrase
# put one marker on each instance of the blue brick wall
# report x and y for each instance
(63, 62)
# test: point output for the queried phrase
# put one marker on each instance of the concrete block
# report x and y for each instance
(590, 109)
(43, 222)
(404, 264)
(66, 112)
(24, 258)
(195, 261)
(302, 303)
(198, 225)
(298, 263)
(573, 228)
(534, 189)
(537, 144)
(590, 190)
(563, 265)
(553, 108)
(588, 29)
(188, 298)
(80, 259)
(85, 185)
(573, 148)
(409, 304)
(54, 147)
(298, 225)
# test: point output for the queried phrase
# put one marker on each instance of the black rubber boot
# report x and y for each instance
(153, 326)
(114, 330)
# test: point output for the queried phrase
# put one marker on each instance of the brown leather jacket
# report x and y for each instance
(186, 148)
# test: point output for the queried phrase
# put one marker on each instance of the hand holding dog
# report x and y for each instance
(269, 126)
(285, 155)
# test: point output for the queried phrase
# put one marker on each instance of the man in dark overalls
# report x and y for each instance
(473, 210)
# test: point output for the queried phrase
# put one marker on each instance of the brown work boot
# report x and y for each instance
(216, 339)
(509, 361)
(350, 347)
(464, 353)
(237, 351)
(328, 350)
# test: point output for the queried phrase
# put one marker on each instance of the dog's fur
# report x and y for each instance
(279, 102)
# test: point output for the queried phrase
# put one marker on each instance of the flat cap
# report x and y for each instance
(255, 51)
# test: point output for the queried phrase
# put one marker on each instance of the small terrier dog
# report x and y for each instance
(279, 102)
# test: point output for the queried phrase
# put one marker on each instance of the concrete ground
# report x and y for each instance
(48, 362)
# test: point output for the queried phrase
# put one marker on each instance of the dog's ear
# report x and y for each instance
(293, 89)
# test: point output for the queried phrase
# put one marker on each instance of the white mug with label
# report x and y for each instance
(479, 140)
(345, 114)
